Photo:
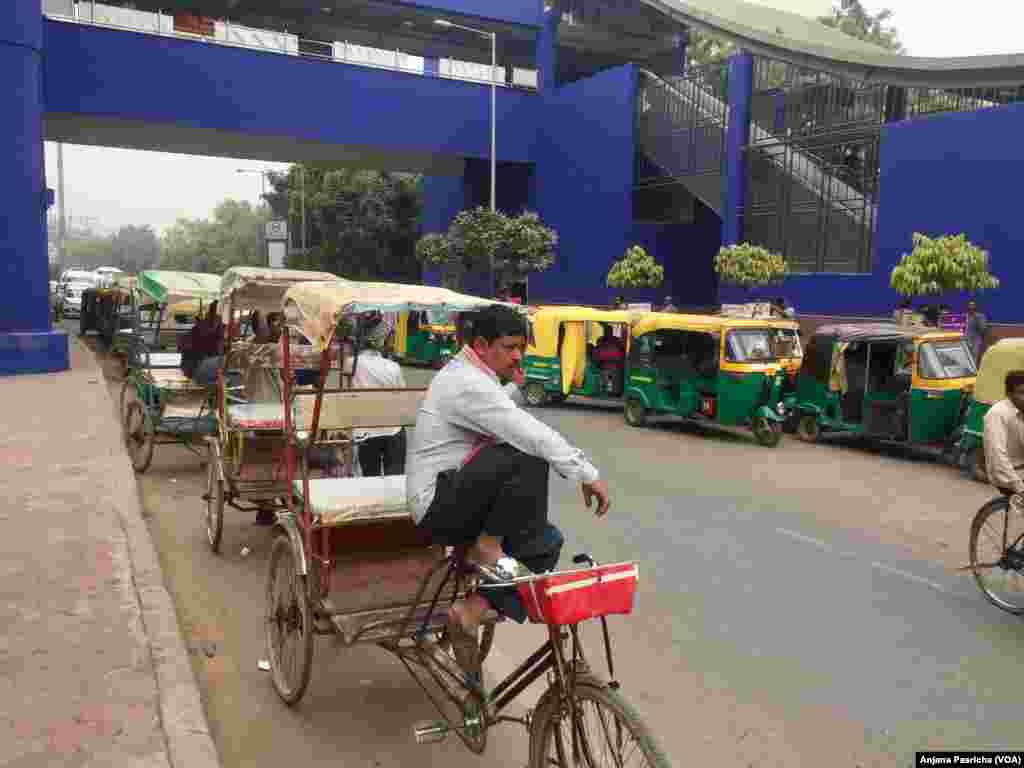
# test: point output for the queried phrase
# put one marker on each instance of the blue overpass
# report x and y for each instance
(805, 141)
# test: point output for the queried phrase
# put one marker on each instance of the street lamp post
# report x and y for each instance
(494, 101)
(263, 197)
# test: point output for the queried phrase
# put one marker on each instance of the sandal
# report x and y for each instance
(506, 569)
(466, 649)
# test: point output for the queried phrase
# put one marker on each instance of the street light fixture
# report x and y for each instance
(444, 23)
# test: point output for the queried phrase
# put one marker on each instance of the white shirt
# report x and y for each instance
(463, 403)
(1004, 446)
(374, 371)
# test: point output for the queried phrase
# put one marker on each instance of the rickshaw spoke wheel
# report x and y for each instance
(998, 556)
(767, 432)
(608, 731)
(289, 624)
(138, 434)
(807, 428)
(214, 503)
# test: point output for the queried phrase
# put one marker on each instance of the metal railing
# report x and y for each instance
(239, 36)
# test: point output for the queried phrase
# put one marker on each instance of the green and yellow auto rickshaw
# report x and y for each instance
(425, 338)
(561, 359)
(1001, 358)
(890, 383)
(710, 369)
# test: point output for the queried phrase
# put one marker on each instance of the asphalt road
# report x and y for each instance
(798, 607)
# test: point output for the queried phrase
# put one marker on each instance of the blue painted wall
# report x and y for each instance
(940, 175)
(94, 71)
(584, 181)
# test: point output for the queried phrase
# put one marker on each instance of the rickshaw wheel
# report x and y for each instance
(214, 504)
(288, 612)
(1003, 557)
(534, 394)
(138, 436)
(767, 433)
(635, 413)
(807, 428)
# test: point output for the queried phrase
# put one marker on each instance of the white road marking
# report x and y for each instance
(907, 575)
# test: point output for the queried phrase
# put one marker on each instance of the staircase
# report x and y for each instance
(682, 124)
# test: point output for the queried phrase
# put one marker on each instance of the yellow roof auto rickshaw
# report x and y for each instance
(1002, 357)
(887, 382)
(709, 368)
(562, 358)
(426, 337)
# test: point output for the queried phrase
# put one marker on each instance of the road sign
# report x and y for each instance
(277, 230)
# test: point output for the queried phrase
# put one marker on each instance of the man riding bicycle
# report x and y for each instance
(1004, 439)
(477, 472)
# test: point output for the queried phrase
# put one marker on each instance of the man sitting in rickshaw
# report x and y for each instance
(477, 472)
(202, 348)
(382, 452)
(610, 356)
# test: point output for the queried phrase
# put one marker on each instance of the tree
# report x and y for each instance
(233, 237)
(943, 264)
(750, 266)
(135, 249)
(480, 238)
(360, 224)
(636, 269)
(850, 17)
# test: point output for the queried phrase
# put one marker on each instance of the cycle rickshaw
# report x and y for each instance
(246, 446)
(159, 404)
(349, 561)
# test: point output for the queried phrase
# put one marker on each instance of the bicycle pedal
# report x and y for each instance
(430, 731)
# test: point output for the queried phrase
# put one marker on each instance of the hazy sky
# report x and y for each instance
(118, 187)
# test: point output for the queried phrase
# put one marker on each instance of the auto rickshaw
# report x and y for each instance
(1001, 358)
(710, 369)
(427, 337)
(560, 357)
(890, 383)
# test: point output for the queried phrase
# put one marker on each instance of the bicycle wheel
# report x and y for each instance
(997, 564)
(138, 436)
(608, 731)
(214, 503)
(289, 624)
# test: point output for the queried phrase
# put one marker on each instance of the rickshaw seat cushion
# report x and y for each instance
(172, 378)
(344, 500)
(256, 415)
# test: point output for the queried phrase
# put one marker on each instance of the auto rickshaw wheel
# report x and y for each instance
(767, 432)
(807, 428)
(635, 413)
(138, 436)
(214, 503)
(976, 466)
(534, 394)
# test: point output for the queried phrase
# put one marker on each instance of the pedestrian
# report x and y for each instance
(780, 309)
(976, 330)
(381, 451)
(669, 305)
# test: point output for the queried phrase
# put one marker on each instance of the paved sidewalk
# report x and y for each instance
(93, 671)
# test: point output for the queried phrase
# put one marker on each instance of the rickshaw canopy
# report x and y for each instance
(871, 332)
(263, 288)
(658, 321)
(545, 322)
(166, 287)
(1001, 358)
(315, 308)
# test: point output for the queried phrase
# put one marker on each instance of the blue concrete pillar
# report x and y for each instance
(547, 47)
(28, 343)
(741, 83)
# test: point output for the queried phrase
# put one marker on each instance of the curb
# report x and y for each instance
(183, 721)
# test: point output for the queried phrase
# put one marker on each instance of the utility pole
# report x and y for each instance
(61, 223)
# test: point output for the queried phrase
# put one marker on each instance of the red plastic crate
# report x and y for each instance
(575, 596)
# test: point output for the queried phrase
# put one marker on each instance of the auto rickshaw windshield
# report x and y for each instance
(749, 345)
(438, 317)
(946, 360)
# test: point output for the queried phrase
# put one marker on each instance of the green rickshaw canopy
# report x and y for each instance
(166, 287)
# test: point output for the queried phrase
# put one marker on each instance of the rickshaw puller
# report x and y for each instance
(1004, 439)
(477, 473)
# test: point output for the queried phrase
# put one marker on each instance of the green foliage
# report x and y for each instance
(360, 224)
(233, 237)
(943, 264)
(636, 269)
(850, 17)
(750, 265)
(516, 245)
(131, 248)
